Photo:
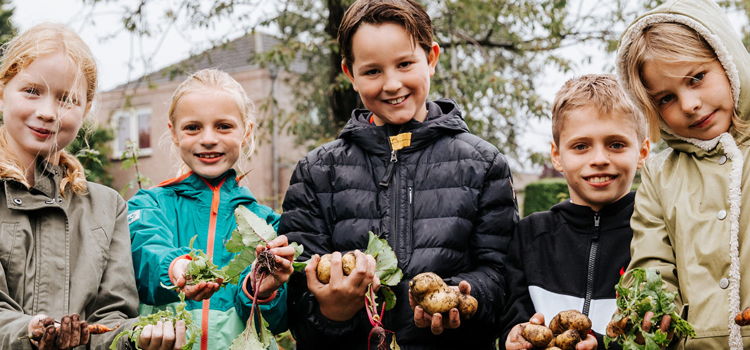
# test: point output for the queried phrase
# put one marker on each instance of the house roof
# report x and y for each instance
(232, 56)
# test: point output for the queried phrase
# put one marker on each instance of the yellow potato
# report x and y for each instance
(348, 263)
(537, 335)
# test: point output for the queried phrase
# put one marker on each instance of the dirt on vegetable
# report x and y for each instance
(348, 263)
(434, 296)
(565, 330)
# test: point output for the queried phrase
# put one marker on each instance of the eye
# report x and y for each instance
(665, 99)
(617, 145)
(191, 128)
(371, 72)
(697, 78)
(224, 126)
(31, 91)
(69, 100)
(404, 64)
(580, 146)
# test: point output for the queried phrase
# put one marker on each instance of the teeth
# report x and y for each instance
(397, 101)
(211, 155)
(599, 179)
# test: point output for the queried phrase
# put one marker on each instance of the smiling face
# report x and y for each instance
(43, 108)
(208, 131)
(391, 73)
(598, 155)
(693, 99)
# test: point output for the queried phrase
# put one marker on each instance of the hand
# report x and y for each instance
(589, 343)
(646, 325)
(197, 292)
(436, 321)
(71, 332)
(163, 336)
(284, 256)
(515, 340)
(343, 296)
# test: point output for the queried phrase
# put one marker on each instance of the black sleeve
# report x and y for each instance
(519, 308)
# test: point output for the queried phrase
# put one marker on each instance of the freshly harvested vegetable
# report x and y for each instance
(99, 328)
(348, 263)
(164, 316)
(743, 317)
(538, 335)
(646, 299)
(565, 330)
(434, 296)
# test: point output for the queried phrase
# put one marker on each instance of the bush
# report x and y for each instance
(543, 194)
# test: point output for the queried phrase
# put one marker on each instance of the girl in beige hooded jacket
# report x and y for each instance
(686, 68)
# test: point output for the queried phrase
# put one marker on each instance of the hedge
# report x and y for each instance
(543, 194)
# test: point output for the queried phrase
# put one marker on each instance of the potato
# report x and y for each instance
(467, 305)
(537, 335)
(424, 283)
(570, 319)
(441, 300)
(568, 340)
(348, 262)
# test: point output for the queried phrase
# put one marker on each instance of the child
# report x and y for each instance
(64, 249)
(409, 171)
(688, 71)
(571, 256)
(212, 126)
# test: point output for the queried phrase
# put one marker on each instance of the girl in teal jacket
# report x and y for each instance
(211, 126)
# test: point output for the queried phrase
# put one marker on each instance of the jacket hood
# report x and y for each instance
(443, 117)
(709, 21)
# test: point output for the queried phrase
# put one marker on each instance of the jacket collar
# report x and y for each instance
(44, 193)
(196, 186)
(613, 216)
(443, 117)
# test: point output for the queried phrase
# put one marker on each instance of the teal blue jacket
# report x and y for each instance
(162, 221)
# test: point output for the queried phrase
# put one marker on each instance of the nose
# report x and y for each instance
(600, 156)
(46, 110)
(690, 101)
(392, 82)
(209, 137)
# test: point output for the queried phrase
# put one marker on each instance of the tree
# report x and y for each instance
(494, 53)
(91, 148)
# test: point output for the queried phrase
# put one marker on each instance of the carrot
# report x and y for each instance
(99, 329)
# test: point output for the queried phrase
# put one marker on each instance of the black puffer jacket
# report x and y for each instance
(445, 204)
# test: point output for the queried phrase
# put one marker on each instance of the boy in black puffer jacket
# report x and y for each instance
(572, 256)
(409, 171)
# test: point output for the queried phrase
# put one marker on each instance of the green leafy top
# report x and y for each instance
(647, 292)
(250, 232)
(386, 263)
(164, 315)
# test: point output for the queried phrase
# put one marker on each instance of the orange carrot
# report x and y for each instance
(99, 329)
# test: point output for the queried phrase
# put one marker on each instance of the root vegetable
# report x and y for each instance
(567, 340)
(439, 301)
(570, 319)
(743, 317)
(467, 305)
(434, 296)
(348, 263)
(537, 335)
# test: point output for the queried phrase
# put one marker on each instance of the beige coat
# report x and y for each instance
(692, 212)
(62, 255)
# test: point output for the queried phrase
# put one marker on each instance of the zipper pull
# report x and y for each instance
(410, 195)
(596, 226)
(389, 170)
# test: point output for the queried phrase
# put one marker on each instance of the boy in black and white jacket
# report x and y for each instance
(572, 256)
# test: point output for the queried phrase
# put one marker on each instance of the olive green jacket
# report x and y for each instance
(61, 255)
(692, 212)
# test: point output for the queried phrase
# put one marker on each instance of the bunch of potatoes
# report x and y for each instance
(565, 330)
(348, 263)
(434, 296)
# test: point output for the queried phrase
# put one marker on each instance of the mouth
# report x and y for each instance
(397, 100)
(41, 132)
(209, 157)
(600, 180)
(703, 122)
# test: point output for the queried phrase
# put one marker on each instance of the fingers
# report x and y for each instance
(419, 317)
(75, 331)
(646, 325)
(337, 273)
(279, 241)
(464, 287)
(180, 331)
(436, 326)
(364, 272)
(515, 341)
(537, 318)
(313, 284)
(144, 340)
(85, 335)
(156, 335)
(589, 343)
(373, 267)
(48, 338)
(63, 334)
(454, 319)
(168, 336)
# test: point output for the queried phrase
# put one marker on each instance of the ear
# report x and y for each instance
(554, 153)
(248, 133)
(173, 133)
(348, 74)
(643, 153)
(432, 57)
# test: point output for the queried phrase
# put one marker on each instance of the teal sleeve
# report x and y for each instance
(154, 247)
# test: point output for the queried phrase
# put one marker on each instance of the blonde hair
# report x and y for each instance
(19, 53)
(600, 91)
(668, 43)
(219, 80)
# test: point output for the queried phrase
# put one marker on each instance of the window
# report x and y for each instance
(132, 125)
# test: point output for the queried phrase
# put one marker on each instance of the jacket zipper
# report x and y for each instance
(206, 304)
(593, 249)
(385, 182)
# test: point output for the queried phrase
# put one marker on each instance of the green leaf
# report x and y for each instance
(299, 266)
(386, 263)
(234, 269)
(253, 229)
(389, 297)
(298, 249)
